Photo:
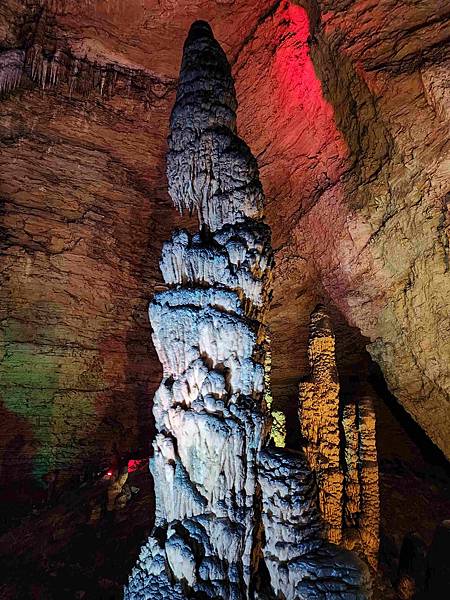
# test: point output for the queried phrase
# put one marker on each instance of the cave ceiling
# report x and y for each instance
(345, 106)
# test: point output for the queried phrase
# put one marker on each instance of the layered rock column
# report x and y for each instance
(340, 446)
(361, 502)
(227, 502)
(319, 421)
(209, 334)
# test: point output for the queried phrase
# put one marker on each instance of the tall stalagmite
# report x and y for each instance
(218, 485)
(319, 421)
(339, 443)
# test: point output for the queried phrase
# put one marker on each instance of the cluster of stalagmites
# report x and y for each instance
(235, 518)
(339, 443)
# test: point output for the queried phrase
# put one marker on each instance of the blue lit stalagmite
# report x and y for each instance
(225, 502)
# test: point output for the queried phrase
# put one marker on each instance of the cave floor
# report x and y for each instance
(56, 553)
(73, 548)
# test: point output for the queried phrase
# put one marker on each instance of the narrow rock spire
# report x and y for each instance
(340, 446)
(226, 501)
(208, 331)
(319, 421)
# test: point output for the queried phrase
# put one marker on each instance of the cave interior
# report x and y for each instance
(326, 124)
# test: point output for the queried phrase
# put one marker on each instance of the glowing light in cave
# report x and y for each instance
(298, 83)
(135, 465)
(278, 430)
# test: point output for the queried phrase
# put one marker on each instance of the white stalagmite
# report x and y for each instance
(212, 423)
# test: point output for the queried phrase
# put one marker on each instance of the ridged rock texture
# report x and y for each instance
(344, 104)
(225, 503)
(340, 446)
(319, 422)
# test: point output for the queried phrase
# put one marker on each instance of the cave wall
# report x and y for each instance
(85, 211)
(342, 103)
(356, 182)
(80, 212)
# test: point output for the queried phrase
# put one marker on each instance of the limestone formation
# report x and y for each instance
(208, 332)
(226, 503)
(361, 501)
(340, 446)
(319, 422)
(344, 107)
(301, 565)
(333, 120)
(11, 66)
(356, 179)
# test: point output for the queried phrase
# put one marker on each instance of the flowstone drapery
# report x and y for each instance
(235, 518)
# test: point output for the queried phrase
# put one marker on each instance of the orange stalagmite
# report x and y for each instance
(319, 421)
(339, 442)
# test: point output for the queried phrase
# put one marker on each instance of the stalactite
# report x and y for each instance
(49, 68)
(340, 445)
(11, 68)
(227, 502)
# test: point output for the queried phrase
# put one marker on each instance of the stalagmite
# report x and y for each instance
(339, 443)
(226, 501)
(319, 421)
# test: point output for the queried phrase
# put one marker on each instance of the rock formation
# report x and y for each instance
(349, 169)
(344, 106)
(339, 443)
(208, 332)
(225, 503)
(83, 193)
(319, 422)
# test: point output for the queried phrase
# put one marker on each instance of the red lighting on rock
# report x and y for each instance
(135, 465)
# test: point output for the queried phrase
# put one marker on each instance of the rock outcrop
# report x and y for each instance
(225, 503)
(339, 443)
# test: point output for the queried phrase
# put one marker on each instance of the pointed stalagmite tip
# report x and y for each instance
(320, 323)
(198, 30)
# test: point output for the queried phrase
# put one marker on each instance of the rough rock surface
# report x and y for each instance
(338, 437)
(319, 416)
(356, 180)
(225, 504)
(301, 565)
(354, 177)
(209, 409)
